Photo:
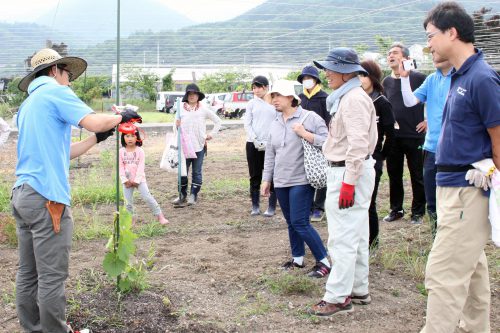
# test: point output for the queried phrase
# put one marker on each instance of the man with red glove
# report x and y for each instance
(350, 180)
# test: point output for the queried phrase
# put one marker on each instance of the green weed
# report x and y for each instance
(107, 159)
(95, 228)
(88, 188)
(9, 298)
(5, 191)
(256, 306)
(8, 230)
(151, 229)
(421, 289)
(288, 284)
(227, 187)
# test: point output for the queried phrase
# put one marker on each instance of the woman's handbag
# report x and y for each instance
(315, 162)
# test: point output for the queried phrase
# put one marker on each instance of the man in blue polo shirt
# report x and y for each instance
(433, 92)
(457, 270)
(41, 194)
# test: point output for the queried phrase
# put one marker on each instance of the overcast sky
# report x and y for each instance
(197, 10)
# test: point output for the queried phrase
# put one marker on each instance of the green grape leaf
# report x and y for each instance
(113, 265)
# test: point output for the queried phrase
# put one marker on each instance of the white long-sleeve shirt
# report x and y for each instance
(193, 125)
(258, 118)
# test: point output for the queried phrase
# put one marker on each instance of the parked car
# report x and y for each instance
(165, 100)
(216, 102)
(235, 103)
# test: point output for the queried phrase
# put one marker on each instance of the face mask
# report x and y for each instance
(308, 84)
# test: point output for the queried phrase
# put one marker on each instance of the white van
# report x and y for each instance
(165, 100)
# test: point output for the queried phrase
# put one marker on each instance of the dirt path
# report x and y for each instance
(216, 269)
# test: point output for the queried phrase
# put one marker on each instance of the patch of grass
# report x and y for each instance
(8, 233)
(9, 298)
(415, 264)
(94, 228)
(156, 117)
(227, 187)
(5, 191)
(389, 259)
(235, 223)
(107, 159)
(303, 314)
(88, 188)
(256, 306)
(288, 284)
(6, 110)
(89, 280)
(421, 289)
(151, 229)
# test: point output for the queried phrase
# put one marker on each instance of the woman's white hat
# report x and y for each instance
(285, 88)
(49, 57)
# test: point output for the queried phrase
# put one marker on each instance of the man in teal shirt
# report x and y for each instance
(433, 92)
(41, 194)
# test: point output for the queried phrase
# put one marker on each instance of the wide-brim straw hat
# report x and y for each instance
(284, 88)
(49, 57)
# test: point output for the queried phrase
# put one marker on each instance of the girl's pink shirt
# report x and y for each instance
(132, 165)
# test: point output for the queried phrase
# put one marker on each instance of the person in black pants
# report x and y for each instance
(313, 98)
(409, 138)
(258, 118)
(385, 127)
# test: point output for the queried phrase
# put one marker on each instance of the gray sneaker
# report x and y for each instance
(416, 219)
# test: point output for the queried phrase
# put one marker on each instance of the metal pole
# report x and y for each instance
(179, 145)
(117, 230)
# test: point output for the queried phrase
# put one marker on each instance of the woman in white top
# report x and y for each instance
(258, 118)
(192, 123)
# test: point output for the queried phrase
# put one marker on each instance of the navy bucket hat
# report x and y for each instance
(309, 71)
(342, 60)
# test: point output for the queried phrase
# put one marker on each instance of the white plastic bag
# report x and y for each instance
(170, 157)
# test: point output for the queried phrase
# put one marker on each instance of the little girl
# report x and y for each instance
(132, 174)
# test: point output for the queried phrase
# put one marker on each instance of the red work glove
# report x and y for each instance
(346, 198)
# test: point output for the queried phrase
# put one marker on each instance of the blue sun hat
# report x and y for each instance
(342, 60)
(309, 71)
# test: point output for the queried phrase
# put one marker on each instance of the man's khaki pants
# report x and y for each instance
(457, 271)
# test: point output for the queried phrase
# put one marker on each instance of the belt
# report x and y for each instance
(341, 163)
(453, 168)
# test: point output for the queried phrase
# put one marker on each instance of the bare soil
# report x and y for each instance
(214, 267)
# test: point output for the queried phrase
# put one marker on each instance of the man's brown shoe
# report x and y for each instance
(324, 309)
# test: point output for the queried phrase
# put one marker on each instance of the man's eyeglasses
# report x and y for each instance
(432, 34)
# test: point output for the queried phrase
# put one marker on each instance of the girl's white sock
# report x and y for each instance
(298, 260)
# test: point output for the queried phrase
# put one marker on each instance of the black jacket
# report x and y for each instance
(385, 127)
(317, 103)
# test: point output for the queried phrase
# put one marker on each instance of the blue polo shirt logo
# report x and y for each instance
(461, 91)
